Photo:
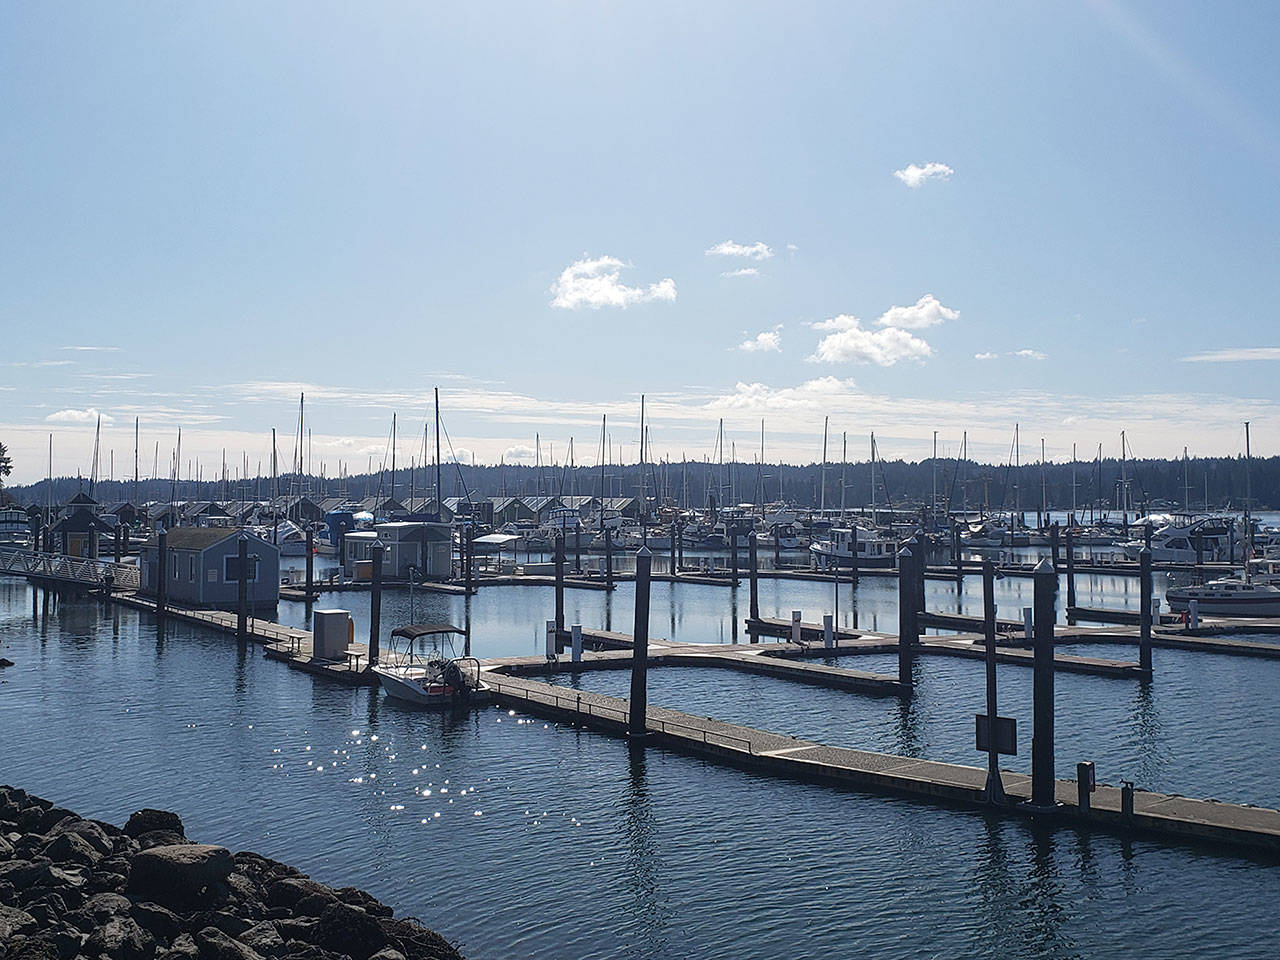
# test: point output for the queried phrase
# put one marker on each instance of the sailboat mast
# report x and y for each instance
(393, 456)
(1248, 498)
(822, 495)
(844, 467)
(874, 521)
(439, 492)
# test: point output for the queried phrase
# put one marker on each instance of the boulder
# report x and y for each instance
(263, 938)
(120, 938)
(347, 929)
(162, 924)
(179, 874)
(89, 831)
(159, 838)
(183, 948)
(216, 945)
(72, 848)
(287, 892)
(14, 922)
(31, 948)
(388, 953)
(147, 819)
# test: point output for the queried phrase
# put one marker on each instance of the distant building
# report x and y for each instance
(75, 534)
(408, 546)
(204, 567)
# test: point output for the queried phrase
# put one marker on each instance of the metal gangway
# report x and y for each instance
(52, 566)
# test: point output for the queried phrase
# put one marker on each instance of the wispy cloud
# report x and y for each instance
(518, 453)
(1234, 355)
(767, 341)
(1026, 353)
(925, 312)
(742, 272)
(595, 283)
(752, 251)
(88, 349)
(41, 363)
(915, 175)
(847, 342)
(87, 415)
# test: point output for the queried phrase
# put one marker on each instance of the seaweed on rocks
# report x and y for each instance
(72, 887)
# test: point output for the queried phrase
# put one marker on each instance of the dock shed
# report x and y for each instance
(204, 569)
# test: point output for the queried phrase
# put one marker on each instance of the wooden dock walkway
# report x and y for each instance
(1169, 817)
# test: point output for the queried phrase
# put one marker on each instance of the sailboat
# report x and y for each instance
(1241, 596)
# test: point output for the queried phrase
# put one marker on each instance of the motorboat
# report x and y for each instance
(1229, 597)
(436, 678)
(1206, 540)
(287, 535)
(15, 528)
(873, 549)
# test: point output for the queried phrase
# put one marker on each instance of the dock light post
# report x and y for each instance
(640, 647)
(375, 603)
(907, 624)
(1042, 775)
(242, 588)
(1144, 614)
(753, 562)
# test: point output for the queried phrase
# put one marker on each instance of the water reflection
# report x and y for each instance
(643, 861)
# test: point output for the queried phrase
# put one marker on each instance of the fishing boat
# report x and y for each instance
(438, 678)
(873, 549)
(15, 528)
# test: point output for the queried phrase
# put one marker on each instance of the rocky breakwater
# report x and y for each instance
(71, 887)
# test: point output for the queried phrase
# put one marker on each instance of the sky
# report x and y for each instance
(899, 218)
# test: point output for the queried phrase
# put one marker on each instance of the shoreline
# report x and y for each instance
(72, 886)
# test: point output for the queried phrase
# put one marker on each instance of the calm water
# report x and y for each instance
(521, 838)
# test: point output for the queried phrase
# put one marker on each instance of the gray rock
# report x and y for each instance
(297, 929)
(72, 848)
(66, 940)
(89, 831)
(31, 948)
(120, 938)
(287, 892)
(183, 948)
(159, 838)
(147, 819)
(14, 922)
(103, 906)
(263, 938)
(179, 874)
(6, 849)
(315, 904)
(388, 953)
(216, 945)
(162, 924)
(347, 929)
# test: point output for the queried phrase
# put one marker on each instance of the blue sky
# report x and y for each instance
(548, 209)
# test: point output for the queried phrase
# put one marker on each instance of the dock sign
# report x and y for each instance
(1006, 735)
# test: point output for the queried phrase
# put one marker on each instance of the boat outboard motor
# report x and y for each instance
(454, 677)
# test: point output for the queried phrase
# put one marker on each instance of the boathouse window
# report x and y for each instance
(231, 569)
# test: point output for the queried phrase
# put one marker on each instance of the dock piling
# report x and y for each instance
(995, 786)
(311, 562)
(1085, 784)
(733, 552)
(375, 603)
(242, 589)
(1055, 535)
(795, 627)
(559, 588)
(551, 640)
(1042, 773)
(162, 577)
(955, 551)
(575, 633)
(908, 623)
(639, 704)
(753, 564)
(608, 557)
(853, 554)
(1144, 614)
(1071, 573)
(828, 631)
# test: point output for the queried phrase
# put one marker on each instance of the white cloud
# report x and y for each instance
(595, 284)
(792, 248)
(519, 453)
(985, 356)
(752, 251)
(742, 272)
(816, 394)
(913, 175)
(1234, 355)
(848, 342)
(88, 415)
(925, 312)
(95, 349)
(764, 342)
(41, 363)
(1028, 354)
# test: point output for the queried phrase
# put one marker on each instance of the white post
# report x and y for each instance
(795, 627)
(1027, 622)
(828, 632)
(1193, 614)
(576, 633)
(551, 639)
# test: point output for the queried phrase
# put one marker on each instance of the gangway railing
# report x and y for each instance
(52, 566)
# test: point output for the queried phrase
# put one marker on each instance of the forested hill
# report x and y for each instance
(1219, 482)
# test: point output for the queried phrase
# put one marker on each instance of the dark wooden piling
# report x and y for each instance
(559, 548)
(468, 543)
(853, 554)
(162, 577)
(639, 703)
(777, 549)
(242, 588)
(577, 549)
(908, 624)
(995, 786)
(675, 568)
(753, 564)
(679, 544)
(1144, 614)
(311, 562)
(1042, 775)
(375, 603)
(1055, 544)
(1071, 573)
(608, 557)
(119, 542)
(956, 557)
